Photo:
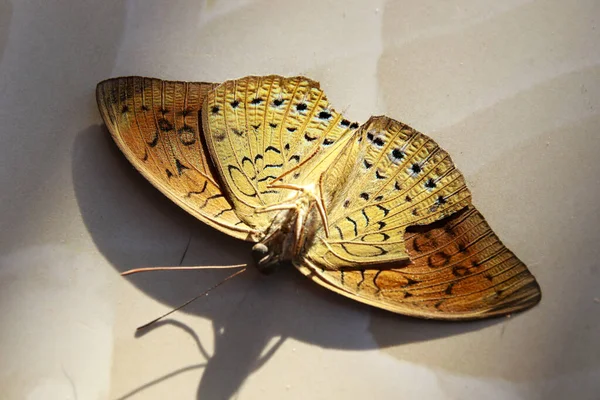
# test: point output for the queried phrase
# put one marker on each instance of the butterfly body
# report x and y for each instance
(378, 213)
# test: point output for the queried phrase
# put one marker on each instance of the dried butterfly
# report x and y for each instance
(377, 212)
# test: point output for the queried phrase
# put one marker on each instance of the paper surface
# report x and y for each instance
(510, 89)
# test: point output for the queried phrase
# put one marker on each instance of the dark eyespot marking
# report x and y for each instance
(328, 142)
(235, 103)
(165, 125)
(475, 263)
(397, 186)
(295, 157)
(489, 277)
(441, 200)
(145, 155)
(237, 131)
(287, 146)
(154, 141)
(396, 156)
(256, 101)
(180, 167)
(277, 102)
(256, 126)
(364, 196)
(345, 122)
(379, 198)
(186, 135)
(271, 148)
(385, 236)
(164, 111)
(308, 138)
(346, 203)
(219, 136)
(367, 164)
(370, 136)
(381, 224)
(449, 289)
(301, 107)
(378, 142)
(324, 115)
(291, 129)
(215, 109)
(186, 112)
(125, 109)
(296, 175)
(354, 125)
(415, 168)
(273, 125)
(415, 212)
(462, 248)
(430, 184)
(408, 199)
(145, 108)
(379, 176)
(407, 295)
(169, 173)
(258, 157)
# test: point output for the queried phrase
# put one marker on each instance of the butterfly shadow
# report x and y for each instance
(134, 225)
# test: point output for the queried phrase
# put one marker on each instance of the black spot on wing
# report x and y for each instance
(154, 140)
(384, 209)
(164, 125)
(309, 138)
(273, 166)
(266, 178)
(378, 175)
(180, 167)
(273, 149)
(198, 192)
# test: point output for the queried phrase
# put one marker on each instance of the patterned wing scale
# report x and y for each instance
(388, 177)
(459, 270)
(155, 123)
(260, 128)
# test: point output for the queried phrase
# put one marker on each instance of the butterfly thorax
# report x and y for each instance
(295, 221)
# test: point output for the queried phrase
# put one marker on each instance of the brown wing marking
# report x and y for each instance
(459, 269)
(156, 124)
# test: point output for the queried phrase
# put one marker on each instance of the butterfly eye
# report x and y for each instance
(260, 252)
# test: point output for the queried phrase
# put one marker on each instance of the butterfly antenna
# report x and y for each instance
(206, 292)
(180, 268)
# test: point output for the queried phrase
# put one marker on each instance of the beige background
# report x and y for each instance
(511, 89)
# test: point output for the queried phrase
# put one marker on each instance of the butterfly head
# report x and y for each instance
(263, 259)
